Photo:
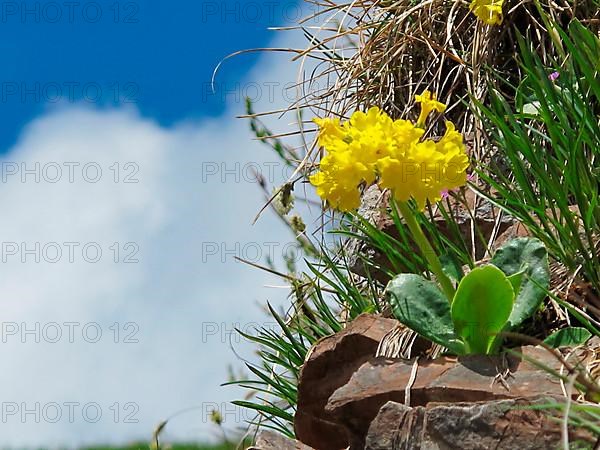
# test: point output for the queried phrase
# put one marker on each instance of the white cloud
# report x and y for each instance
(165, 220)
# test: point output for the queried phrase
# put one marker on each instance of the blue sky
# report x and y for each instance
(166, 208)
(157, 54)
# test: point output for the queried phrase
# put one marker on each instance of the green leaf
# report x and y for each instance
(451, 266)
(516, 279)
(420, 305)
(568, 337)
(527, 255)
(481, 308)
(531, 108)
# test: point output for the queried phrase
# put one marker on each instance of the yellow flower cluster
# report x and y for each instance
(371, 146)
(488, 11)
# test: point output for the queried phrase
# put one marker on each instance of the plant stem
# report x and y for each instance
(434, 263)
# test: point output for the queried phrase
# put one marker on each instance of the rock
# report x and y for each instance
(329, 365)
(269, 440)
(516, 230)
(501, 424)
(471, 378)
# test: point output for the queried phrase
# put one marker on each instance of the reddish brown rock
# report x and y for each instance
(471, 379)
(268, 440)
(516, 230)
(329, 366)
(502, 424)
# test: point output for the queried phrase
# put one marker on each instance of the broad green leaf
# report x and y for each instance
(531, 108)
(420, 305)
(516, 279)
(451, 266)
(481, 308)
(568, 337)
(526, 255)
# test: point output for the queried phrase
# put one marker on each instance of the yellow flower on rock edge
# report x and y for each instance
(339, 178)
(353, 148)
(405, 135)
(427, 169)
(370, 137)
(488, 11)
(456, 161)
(372, 145)
(331, 133)
(428, 103)
(338, 196)
(413, 177)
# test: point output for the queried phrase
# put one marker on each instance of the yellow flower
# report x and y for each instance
(374, 116)
(428, 103)
(331, 133)
(371, 137)
(419, 175)
(455, 158)
(451, 139)
(426, 169)
(488, 11)
(371, 146)
(405, 135)
(338, 196)
(338, 180)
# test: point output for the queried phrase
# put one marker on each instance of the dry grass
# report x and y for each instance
(382, 52)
